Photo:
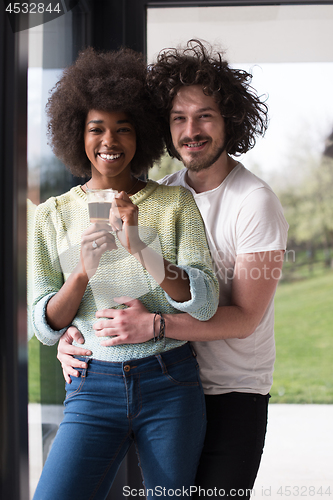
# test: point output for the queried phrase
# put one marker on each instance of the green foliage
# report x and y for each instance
(303, 264)
(308, 206)
(34, 371)
(166, 166)
(46, 383)
(304, 341)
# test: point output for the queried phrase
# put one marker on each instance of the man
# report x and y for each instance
(211, 113)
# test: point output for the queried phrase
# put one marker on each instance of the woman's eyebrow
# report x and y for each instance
(95, 121)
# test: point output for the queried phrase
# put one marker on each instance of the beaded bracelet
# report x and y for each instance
(161, 333)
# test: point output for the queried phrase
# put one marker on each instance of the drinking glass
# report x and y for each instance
(99, 204)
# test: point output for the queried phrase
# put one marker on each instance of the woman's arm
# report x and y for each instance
(191, 285)
(62, 307)
(124, 219)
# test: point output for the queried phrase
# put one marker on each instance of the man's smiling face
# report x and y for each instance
(197, 128)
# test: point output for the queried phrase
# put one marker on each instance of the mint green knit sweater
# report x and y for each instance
(169, 222)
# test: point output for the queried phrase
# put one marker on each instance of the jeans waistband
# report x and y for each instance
(142, 364)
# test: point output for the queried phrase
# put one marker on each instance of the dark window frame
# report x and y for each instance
(128, 19)
(13, 386)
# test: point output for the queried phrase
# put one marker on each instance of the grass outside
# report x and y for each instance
(304, 343)
(304, 340)
(46, 383)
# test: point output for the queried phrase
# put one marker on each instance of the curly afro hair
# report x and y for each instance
(104, 81)
(245, 115)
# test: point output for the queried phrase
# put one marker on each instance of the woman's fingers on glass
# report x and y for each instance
(115, 218)
(123, 211)
(101, 239)
(106, 242)
(95, 228)
(93, 246)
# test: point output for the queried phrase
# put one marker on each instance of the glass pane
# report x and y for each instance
(50, 50)
(289, 50)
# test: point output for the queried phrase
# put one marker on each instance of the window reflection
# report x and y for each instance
(50, 50)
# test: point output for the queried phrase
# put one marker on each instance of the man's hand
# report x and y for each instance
(133, 325)
(66, 351)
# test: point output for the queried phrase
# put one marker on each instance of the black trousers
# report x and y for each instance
(235, 438)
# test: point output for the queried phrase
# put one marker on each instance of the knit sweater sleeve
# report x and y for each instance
(46, 270)
(193, 256)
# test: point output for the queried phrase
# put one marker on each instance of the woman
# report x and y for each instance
(101, 124)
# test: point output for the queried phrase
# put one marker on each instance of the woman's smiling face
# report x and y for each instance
(110, 144)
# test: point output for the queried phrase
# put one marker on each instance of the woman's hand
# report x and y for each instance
(95, 240)
(124, 220)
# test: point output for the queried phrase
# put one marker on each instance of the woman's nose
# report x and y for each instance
(109, 139)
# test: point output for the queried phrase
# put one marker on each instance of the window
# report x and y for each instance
(289, 50)
(52, 47)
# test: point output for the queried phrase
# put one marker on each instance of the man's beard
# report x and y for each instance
(204, 161)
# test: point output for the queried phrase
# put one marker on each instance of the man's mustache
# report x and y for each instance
(196, 138)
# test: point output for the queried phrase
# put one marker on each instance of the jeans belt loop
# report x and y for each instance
(193, 350)
(84, 370)
(161, 362)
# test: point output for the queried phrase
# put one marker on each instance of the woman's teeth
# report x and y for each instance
(110, 157)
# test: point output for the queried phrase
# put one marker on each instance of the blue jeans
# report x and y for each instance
(157, 402)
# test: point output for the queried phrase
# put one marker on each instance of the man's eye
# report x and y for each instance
(178, 118)
(124, 130)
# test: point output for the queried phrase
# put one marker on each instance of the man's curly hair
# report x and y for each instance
(104, 81)
(245, 115)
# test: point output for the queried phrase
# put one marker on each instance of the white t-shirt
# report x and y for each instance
(242, 215)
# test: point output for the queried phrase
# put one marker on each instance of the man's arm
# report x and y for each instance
(254, 283)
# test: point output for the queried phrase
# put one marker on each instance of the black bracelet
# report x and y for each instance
(161, 333)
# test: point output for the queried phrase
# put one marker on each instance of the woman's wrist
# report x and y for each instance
(137, 248)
